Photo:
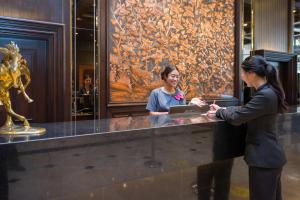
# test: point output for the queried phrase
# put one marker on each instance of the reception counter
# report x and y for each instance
(178, 156)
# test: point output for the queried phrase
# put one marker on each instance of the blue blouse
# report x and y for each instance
(160, 101)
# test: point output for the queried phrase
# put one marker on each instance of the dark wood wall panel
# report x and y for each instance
(286, 64)
(42, 10)
(50, 21)
(271, 25)
(102, 59)
(43, 45)
(238, 47)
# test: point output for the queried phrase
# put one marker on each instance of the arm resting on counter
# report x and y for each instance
(237, 115)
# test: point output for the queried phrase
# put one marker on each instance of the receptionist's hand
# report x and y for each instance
(197, 101)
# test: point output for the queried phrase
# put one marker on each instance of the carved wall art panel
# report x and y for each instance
(194, 35)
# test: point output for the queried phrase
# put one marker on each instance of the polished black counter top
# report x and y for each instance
(64, 130)
(113, 159)
(73, 129)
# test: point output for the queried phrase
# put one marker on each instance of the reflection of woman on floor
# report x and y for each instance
(214, 179)
(263, 154)
(162, 98)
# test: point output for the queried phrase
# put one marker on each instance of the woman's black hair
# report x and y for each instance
(258, 65)
(167, 70)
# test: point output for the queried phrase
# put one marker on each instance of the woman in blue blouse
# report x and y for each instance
(162, 98)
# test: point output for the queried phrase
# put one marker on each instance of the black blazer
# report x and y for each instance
(260, 114)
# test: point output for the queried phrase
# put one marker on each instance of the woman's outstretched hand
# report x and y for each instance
(213, 109)
(198, 102)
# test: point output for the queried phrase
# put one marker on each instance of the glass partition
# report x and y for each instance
(85, 76)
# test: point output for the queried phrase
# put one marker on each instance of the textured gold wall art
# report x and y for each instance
(195, 36)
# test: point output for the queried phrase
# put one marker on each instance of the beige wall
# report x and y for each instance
(271, 25)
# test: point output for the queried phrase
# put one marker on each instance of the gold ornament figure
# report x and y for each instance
(12, 68)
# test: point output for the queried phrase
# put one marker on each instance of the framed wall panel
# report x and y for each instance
(202, 38)
(286, 64)
(43, 45)
(195, 36)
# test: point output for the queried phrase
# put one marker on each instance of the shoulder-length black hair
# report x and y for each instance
(258, 65)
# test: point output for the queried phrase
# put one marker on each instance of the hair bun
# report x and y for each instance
(168, 69)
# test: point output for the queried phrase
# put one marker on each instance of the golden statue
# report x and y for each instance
(12, 68)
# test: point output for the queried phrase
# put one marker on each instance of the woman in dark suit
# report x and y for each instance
(263, 154)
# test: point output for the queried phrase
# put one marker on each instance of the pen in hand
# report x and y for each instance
(211, 106)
